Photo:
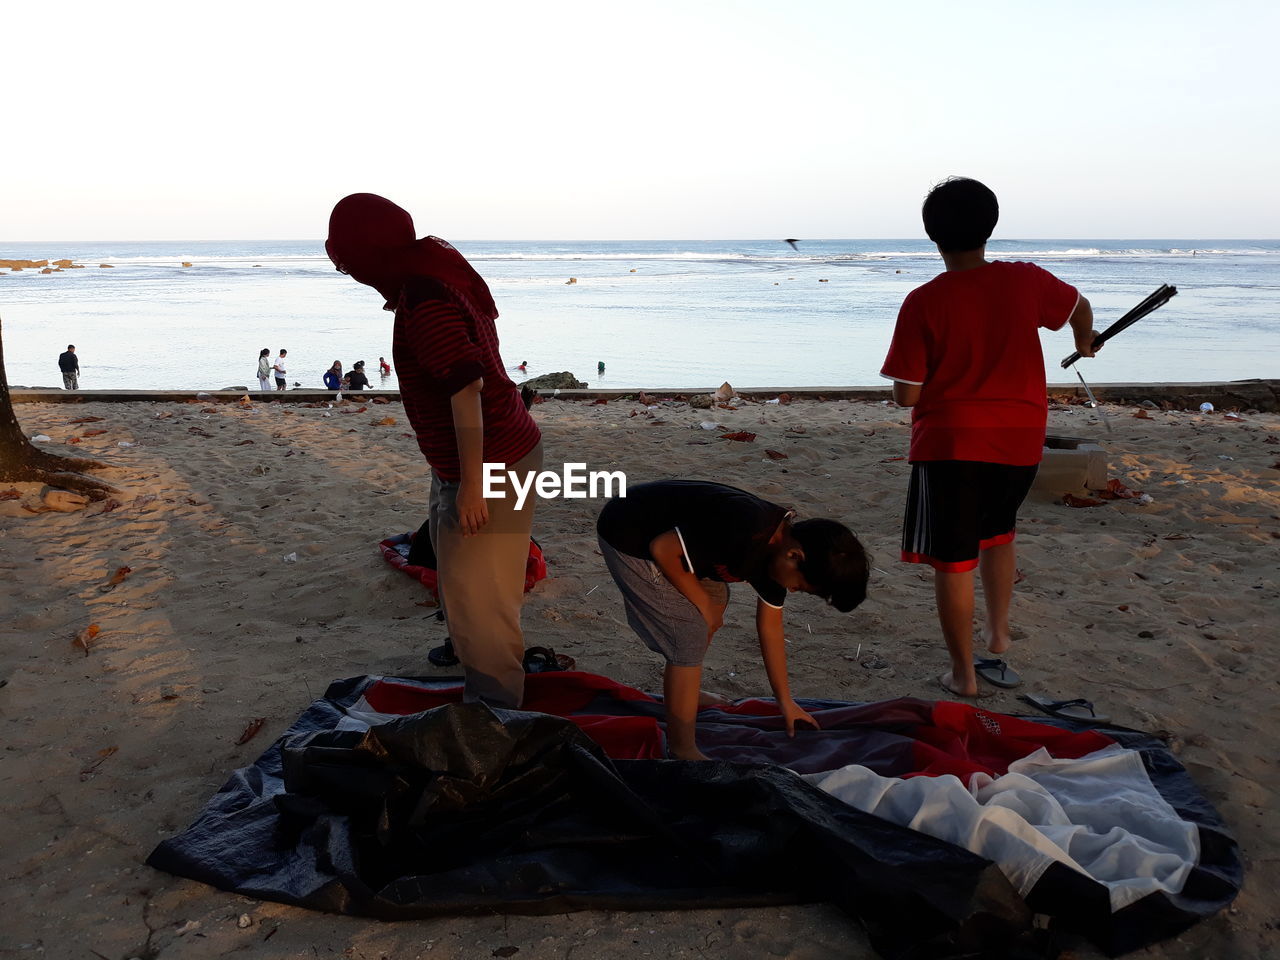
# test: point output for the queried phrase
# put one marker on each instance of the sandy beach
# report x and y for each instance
(250, 536)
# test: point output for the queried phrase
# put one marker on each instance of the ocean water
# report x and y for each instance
(657, 314)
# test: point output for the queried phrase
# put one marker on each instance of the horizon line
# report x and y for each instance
(320, 241)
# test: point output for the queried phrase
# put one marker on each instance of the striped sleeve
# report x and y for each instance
(442, 341)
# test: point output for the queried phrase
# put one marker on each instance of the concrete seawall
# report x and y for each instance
(1238, 394)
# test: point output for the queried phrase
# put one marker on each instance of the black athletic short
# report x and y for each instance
(958, 508)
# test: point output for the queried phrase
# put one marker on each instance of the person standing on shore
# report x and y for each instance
(69, 364)
(264, 369)
(466, 413)
(966, 357)
(279, 369)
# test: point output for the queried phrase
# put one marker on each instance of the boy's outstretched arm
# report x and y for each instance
(668, 553)
(1081, 321)
(773, 650)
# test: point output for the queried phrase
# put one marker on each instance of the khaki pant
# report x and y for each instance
(481, 585)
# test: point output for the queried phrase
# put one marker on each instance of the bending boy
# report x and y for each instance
(674, 546)
(966, 357)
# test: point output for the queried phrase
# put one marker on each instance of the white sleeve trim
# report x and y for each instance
(774, 606)
(688, 557)
(1079, 296)
(914, 383)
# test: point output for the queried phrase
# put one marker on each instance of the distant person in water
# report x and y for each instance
(356, 379)
(524, 366)
(465, 412)
(333, 376)
(384, 368)
(264, 369)
(600, 367)
(280, 371)
(69, 364)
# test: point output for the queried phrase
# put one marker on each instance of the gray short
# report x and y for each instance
(659, 613)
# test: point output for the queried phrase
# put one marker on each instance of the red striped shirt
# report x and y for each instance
(438, 349)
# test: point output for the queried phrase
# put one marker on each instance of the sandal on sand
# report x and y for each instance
(1078, 709)
(443, 655)
(546, 660)
(996, 672)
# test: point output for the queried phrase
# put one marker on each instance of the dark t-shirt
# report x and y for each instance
(68, 362)
(724, 531)
(356, 380)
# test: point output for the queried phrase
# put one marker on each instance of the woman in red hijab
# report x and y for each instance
(466, 412)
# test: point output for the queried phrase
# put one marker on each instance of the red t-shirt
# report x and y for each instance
(970, 339)
(439, 349)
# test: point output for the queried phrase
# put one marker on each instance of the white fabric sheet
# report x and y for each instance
(1099, 815)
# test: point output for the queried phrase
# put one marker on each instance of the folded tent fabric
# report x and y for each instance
(740, 816)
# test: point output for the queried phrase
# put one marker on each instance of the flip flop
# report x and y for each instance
(1078, 709)
(996, 672)
(443, 655)
(546, 660)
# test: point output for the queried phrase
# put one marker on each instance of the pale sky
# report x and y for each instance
(639, 120)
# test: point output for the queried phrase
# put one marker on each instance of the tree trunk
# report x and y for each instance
(21, 462)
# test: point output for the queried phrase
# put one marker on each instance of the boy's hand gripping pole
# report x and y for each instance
(1155, 301)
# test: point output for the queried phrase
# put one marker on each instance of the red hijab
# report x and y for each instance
(373, 240)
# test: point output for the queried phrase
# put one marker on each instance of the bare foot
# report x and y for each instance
(708, 699)
(997, 643)
(957, 688)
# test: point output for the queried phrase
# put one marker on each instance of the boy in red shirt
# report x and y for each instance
(966, 357)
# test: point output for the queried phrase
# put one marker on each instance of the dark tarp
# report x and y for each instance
(460, 809)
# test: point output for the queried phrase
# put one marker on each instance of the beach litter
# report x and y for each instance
(1071, 500)
(290, 558)
(64, 501)
(84, 639)
(103, 755)
(251, 730)
(1115, 490)
(1206, 407)
(41, 438)
(118, 577)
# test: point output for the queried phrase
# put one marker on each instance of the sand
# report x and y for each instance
(250, 534)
